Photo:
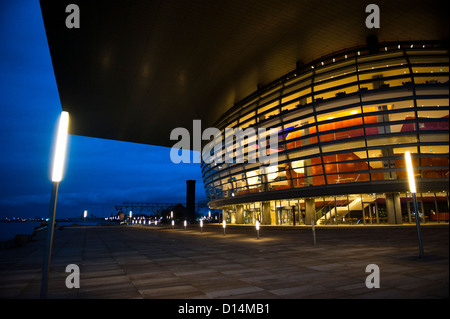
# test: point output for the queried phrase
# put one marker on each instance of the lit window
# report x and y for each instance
(252, 177)
(298, 166)
(271, 171)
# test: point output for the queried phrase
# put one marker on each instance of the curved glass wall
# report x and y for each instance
(345, 119)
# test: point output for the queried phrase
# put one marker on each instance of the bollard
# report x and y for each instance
(257, 229)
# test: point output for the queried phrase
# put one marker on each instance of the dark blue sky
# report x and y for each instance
(99, 173)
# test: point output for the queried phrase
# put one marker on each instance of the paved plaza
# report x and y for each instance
(158, 262)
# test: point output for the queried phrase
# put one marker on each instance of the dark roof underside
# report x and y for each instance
(135, 70)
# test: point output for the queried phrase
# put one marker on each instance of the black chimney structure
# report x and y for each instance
(372, 44)
(190, 197)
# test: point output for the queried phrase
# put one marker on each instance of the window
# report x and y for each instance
(394, 140)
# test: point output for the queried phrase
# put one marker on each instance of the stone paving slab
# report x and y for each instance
(127, 262)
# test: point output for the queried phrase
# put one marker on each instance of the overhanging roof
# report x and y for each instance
(135, 70)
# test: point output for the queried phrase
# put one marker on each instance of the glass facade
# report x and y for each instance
(344, 123)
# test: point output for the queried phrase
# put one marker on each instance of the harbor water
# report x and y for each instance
(10, 230)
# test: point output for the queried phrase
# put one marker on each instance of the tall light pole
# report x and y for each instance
(58, 167)
(412, 188)
(84, 216)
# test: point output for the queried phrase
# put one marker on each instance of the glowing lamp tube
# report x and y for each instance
(60, 148)
(409, 167)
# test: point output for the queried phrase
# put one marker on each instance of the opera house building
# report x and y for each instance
(346, 100)
(344, 123)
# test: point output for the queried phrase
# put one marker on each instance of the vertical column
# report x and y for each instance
(363, 210)
(239, 214)
(408, 204)
(394, 209)
(190, 198)
(266, 218)
(224, 214)
(422, 209)
(436, 208)
(233, 216)
(376, 212)
(310, 207)
(398, 208)
(273, 215)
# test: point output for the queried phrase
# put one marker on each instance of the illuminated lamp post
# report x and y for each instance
(57, 172)
(201, 225)
(412, 188)
(185, 224)
(84, 216)
(257, 229)
(224, 225)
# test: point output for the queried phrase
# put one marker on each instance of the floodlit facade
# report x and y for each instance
(344, 122)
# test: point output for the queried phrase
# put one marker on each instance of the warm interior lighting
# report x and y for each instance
(252, 177)
(353, 112)
(409, 167)
(298, 166)
(60, 149)
(271, 171)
